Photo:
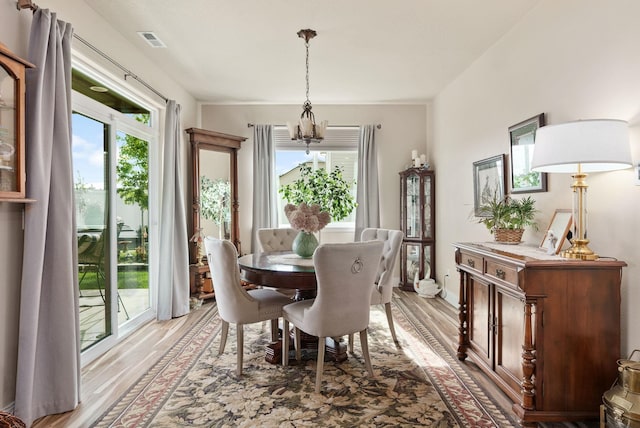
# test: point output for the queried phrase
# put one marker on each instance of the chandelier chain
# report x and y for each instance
(306, 43)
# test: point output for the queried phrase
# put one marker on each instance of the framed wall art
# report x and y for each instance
(522, 137)
(488, 182)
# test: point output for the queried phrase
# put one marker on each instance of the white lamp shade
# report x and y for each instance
(595, 145)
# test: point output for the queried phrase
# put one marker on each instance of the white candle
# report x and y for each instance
(416, 162)
(414, 154)
(423, 159)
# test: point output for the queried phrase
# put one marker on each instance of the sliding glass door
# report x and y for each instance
(111, 176)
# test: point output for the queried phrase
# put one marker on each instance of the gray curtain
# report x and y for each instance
(173, 281)
(367, 193)
(48, 372)
(265, 201)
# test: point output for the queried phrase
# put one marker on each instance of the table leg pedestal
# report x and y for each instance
(335, 349)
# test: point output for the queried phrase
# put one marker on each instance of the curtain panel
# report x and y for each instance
(48, 373)
(265, 202)
(173, 280)
(367, 192)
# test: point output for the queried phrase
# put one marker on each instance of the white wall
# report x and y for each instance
(403, 129)
(14, 33)
(573, 59)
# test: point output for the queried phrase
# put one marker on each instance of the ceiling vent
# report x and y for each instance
(152, 39)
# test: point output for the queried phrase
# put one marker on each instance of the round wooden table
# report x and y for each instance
(284, 269)
(281, 269)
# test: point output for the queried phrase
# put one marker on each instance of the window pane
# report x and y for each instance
(91, 196)
(132, 218)
(288, 170)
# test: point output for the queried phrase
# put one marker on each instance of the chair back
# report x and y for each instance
(91, 248)
(276, 239)
(392, 240)
(345, 273)
(233, 301)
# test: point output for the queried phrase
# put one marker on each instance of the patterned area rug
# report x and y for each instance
(420, 384)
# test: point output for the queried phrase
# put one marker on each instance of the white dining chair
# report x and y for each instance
(383, 290)
(276, 239)
(345, 273)
(235, 304)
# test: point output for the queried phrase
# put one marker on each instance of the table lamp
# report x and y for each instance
(579, 148)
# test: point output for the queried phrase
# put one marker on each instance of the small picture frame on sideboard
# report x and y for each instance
(557, 231)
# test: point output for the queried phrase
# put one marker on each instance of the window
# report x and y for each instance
(339, 148)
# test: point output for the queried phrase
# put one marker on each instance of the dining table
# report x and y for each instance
(287, 270)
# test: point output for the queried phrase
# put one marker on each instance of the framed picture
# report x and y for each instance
(488, 182)
(557, 231)
(522, 137)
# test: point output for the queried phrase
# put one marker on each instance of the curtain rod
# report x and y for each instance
(379, 125)
(28, 4)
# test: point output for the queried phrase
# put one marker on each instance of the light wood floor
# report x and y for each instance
(107, 378)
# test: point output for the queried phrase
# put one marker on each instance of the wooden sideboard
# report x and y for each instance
(546, 330)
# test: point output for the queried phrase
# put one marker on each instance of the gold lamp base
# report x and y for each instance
(579, 251)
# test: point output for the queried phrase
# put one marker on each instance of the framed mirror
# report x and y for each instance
(522, 136)
(214, 186)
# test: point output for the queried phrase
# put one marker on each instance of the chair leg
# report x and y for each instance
(387, 308)
(285, 342)
(297, 343)
(365, 351)
(274, 330)
(123, 307)
(223, 336)
(320, 363)
(351, 343)
(240, 334)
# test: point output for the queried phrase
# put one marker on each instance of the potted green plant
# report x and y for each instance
(314, 199)
(506, 218)
(329, 190)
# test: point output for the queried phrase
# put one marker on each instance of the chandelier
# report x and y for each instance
(306, 131)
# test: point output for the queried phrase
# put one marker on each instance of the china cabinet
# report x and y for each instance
(214, 160)
(12, 147)
(417, 214)
(545, 329)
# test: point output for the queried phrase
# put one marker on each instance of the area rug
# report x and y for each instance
(418, 384)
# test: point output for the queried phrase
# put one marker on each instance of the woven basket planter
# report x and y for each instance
(508, 236)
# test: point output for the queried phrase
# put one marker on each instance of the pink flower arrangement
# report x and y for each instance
(307, 218)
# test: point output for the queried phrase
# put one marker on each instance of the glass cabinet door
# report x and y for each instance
(426, 198)
(413, 207)
(12, 93)
(8, 121)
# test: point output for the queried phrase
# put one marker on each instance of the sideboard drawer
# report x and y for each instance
(471, 260)
(502, 272)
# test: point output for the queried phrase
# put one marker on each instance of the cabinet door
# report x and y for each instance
(509, 331)
(427, 207)
(416, 258)
(412, 209)
(12, 172)
(481, 321)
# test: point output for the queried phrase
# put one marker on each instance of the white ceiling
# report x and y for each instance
(366, 51)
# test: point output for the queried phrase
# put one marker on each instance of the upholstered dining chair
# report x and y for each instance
(235, 304)
(276, 239)
(345, 273)
(383, 290)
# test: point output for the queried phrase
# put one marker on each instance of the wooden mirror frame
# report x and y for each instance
(202, 139)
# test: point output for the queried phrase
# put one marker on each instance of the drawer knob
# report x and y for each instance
(500, 273)
(471, 262)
